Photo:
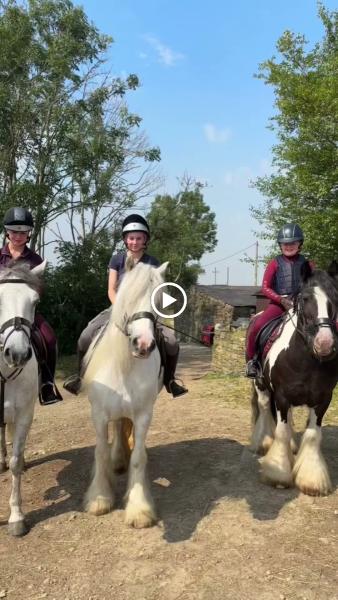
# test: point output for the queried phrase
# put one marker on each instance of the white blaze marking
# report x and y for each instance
(324, 339)
(283, 342)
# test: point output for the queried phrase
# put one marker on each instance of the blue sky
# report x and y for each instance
(200, 102)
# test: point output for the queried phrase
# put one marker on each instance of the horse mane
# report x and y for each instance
(323, 280)
(137, 283)
(23, 272)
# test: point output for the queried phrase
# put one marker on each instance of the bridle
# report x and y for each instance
(18, 324)
(135, 317)
(310, 329)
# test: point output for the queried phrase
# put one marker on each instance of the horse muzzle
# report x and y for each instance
(17, 358)
(141, 350)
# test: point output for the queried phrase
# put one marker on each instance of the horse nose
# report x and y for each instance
(324, 342)
(17, 358)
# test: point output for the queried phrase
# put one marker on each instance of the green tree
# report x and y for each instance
(67, 140)
(303, 185)
(183, 228)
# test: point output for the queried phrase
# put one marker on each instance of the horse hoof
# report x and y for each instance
(3, 467)
(141, 520)
(18, 529)
(99, 506)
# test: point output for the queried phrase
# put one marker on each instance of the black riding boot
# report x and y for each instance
(49, 395)
(169, 381)
(73, 382)
(252, 368)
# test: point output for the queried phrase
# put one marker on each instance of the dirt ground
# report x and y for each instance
(222, 533)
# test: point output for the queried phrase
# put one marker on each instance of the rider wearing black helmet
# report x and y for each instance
(136, 235)
(18, 224)
(281, 281)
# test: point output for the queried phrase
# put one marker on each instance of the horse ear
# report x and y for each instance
(305, 271)
(39, 270)
(333, 269)
(162, 268)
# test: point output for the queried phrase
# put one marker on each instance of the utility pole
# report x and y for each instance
(228, 271)
(215, 273)
(256, 265)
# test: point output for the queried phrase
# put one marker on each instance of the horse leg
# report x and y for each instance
(310, 470)
(17, 525)
(140, 510)
(3, 449)
(99, 498)
(293, 444)
(276, 465)
(263, 423)
(122, 445)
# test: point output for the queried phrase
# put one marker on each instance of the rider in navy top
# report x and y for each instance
(18, 224)
(136, 235)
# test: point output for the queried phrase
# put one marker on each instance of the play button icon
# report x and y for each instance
(161, 298)
(167, 300)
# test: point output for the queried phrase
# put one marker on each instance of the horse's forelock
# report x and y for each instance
(323, 280)
(138, 282)
(22, 272)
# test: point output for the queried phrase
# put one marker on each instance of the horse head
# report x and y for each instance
(318, 309)
(19, 293)
(134, 308)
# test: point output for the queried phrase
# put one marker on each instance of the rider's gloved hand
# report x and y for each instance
(286, 303)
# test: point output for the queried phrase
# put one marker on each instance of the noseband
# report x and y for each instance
(135, 317)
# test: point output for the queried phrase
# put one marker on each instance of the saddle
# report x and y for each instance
(267, 335)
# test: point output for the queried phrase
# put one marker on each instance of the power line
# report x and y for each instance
(230, 256)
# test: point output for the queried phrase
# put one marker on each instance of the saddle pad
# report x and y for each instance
(268, 335)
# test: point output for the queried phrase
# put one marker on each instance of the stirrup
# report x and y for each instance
(50, 397)
(252, 369)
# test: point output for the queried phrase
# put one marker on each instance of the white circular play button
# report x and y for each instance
(161, 299)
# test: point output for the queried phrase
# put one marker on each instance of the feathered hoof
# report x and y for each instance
(273, 474)
(3, 467)
(321, 487)
(99, 506)
(140, 519)
(18, 528)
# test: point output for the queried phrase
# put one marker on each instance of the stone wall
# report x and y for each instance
(202, 310)
(228, 353)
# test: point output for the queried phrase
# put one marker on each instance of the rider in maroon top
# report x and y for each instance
(281, 281)
(18, 224)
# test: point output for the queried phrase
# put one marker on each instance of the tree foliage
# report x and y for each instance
(68, 143)
(303, 185)
(183, 228)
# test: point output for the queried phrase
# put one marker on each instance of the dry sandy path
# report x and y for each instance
(222, 533)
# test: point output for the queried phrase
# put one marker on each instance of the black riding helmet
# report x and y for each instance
(134, 223)
(290, 232)
(18, 219)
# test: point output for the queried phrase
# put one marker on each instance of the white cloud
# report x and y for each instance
(216, 136)
(166, 55)
(143, 55)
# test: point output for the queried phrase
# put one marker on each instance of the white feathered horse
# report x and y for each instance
(123, 377)
(19, 378)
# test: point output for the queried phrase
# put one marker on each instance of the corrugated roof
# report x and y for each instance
(235, 295)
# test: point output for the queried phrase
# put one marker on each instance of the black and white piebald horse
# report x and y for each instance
(301, 368)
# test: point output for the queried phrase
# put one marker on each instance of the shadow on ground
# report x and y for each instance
(201, 473)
